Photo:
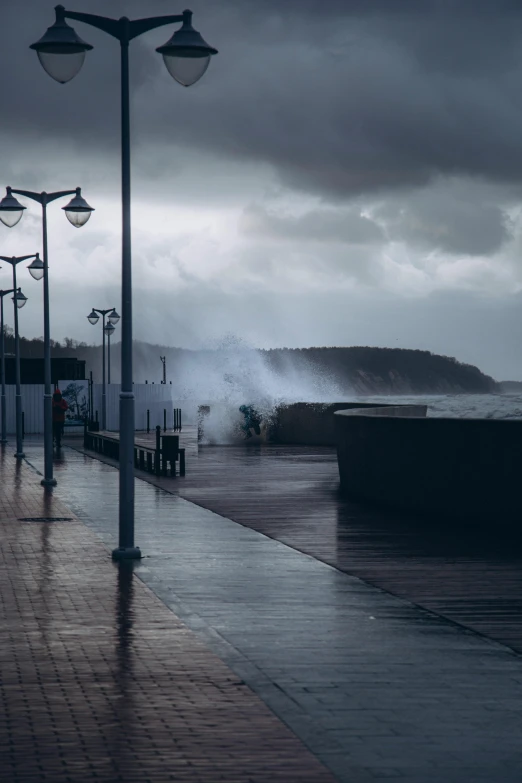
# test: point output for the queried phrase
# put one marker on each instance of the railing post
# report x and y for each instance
(148, 421)
(91, 396)
(157, 461)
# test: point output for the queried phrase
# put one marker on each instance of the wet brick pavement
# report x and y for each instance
(376, 687)
(100, 681)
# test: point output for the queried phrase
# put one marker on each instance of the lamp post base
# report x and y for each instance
(126, 553)
(48, 482)
(19, 455)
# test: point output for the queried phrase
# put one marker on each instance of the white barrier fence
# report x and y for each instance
(152, 397)
(32, 407)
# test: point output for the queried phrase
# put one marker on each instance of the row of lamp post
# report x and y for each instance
(78, 213)
(18, 301)
(107, 330)
(186, 56)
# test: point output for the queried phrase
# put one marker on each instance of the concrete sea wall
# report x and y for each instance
(448, 467)
(311, 423)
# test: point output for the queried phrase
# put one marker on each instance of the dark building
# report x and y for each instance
(32, 370)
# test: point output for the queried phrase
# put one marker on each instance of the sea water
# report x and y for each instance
(462, 406)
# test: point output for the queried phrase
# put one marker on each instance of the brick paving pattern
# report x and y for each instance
(100, 681)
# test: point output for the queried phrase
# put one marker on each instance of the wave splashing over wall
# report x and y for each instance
(232, 374)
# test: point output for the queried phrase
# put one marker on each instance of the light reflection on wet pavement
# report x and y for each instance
(100, 681)
(375, 686)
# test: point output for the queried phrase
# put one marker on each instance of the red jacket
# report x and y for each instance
(59, 408)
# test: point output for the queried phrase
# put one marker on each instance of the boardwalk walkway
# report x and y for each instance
(472, 576)
(468, 575)
(375, 687)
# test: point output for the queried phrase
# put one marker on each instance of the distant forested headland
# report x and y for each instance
(356, 370)
(369, 370)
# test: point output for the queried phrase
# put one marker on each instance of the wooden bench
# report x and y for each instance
(171, 453)
(154, 459)
(103, 444)
(147, 458)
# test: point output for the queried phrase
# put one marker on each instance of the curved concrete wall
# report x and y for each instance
(449, 467)
(311, 423)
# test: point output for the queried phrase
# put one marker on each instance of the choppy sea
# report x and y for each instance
(469, 406)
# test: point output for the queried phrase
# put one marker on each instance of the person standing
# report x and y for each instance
(252, 420)
(59, 408)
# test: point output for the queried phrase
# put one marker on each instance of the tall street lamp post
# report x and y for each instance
(3, 439)
(109, 329)
(78, 213)
(93, 319)
(19, 300)
(186, 55)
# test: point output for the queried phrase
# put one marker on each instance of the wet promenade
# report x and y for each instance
(470, 575)
(100, 681)
(374, 686)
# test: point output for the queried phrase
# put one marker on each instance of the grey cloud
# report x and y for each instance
(320, 225)
(460, 219)
(359, 101)
(303, 265)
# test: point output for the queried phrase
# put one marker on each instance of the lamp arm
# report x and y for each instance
(122, 29)
(58, 194)
(17, 259)
(108, 25)
(28, 194)
(43, 197)
(140, 26)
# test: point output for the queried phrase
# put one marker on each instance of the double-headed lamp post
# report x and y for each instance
(187, 56)
(19, 300)
(78, 213)
(109, 329)
(93, 319)
(3, 439)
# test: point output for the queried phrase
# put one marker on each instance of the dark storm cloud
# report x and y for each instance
(341, 97)
(358, 98)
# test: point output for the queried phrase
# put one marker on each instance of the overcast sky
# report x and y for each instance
(347, 172)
